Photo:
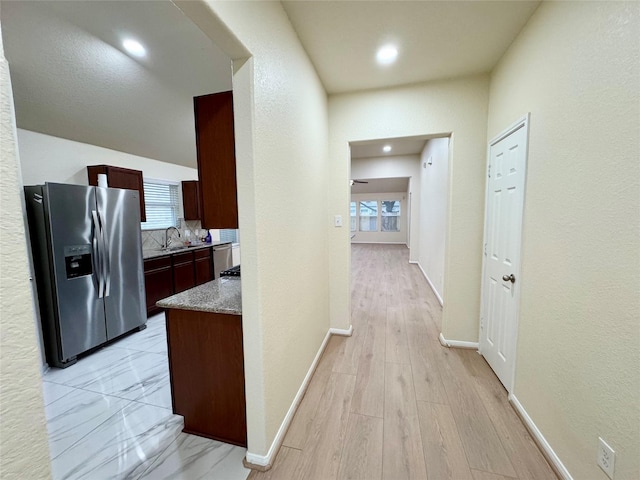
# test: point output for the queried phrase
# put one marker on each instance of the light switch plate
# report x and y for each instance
(337, 221)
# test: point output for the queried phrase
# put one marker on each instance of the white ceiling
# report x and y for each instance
(435, 39)
(399, 146)
(72, 79)
(381, 185)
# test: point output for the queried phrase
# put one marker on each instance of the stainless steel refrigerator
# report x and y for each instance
(87, 253)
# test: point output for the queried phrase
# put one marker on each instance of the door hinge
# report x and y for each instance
(489, 172)
(485, 249)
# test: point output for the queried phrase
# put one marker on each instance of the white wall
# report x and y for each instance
(576, 68)
(380, 236)
(280, 111)
(458, 106)
(23, 435)
(394, 166)
(434, 203)
(44, 158)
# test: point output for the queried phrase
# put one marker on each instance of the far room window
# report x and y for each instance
(390, 215)
(162, 204)
(353, 216)
(369, 216)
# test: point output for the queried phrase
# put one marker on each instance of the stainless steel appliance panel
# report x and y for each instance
(222, 259)
(80, 310)
(124, 298)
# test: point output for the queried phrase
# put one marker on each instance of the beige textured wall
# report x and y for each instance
(434, 184)
(281, 134)
(24, 450)
(576, 68)
(458, 106)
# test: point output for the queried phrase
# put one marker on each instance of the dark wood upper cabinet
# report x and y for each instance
(191, 199)
(119, 177)
(216, 160)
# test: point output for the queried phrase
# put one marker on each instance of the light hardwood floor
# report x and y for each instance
(391, 403)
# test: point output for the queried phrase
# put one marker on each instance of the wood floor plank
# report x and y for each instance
(402, 456)
(527, 460)
(283, 468)
(424, 367)
(303, 419)
(348, 354)
(479, 475)
(323, 447)
(362, 454)
(368, 396)
(443, 452)
(397, 348)
(481, 443)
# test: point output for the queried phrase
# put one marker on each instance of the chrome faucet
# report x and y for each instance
(167, 240)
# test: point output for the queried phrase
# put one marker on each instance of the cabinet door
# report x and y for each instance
(184, 276)
(216, 160)
(119, 177)
(191, 200)
(204, 270)
(158, 285)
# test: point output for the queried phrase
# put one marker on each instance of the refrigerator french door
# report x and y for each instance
(87, 253)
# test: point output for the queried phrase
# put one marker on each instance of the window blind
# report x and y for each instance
(161, 202)
(229, 235)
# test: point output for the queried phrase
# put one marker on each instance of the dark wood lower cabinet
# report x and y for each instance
(170, 274)
(204, 266)
(206, 365)
(158, 280)
(184, 275)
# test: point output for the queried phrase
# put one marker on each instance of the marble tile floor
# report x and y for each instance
(109, 417)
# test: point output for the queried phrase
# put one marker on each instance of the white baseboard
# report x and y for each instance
(342, 331)
(544, 446)
(263, 462)
(458, 343)
(435, 292)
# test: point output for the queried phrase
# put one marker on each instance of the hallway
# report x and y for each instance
(390, 402)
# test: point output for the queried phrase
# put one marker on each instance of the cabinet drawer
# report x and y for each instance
(203, 253)
(180, 258)
(157, 263)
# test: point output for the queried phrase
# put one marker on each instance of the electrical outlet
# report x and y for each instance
(606, 457)
(337, 221)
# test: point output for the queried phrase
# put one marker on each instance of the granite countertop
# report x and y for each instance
(146, 254)
(222, 295)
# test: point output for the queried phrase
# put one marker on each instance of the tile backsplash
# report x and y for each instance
(154, 239)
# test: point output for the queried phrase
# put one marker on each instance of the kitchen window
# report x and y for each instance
(368, 216)
(229, 235)
(162, 204)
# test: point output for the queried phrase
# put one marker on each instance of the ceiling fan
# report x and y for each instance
(351, 182)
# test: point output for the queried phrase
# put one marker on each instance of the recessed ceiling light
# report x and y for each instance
(134, 47)
(386, 148)
(387, 55)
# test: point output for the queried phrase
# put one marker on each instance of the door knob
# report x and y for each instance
(509, 278)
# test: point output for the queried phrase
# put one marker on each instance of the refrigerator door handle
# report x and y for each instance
(106, 259)
(97, 263)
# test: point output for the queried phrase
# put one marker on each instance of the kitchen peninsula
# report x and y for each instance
(206, 362)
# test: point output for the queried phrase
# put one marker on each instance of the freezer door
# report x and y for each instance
(124, 298)
(80, 310)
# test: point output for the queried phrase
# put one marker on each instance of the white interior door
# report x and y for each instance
(503, 232)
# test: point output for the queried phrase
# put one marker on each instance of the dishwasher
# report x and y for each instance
(221, 259)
